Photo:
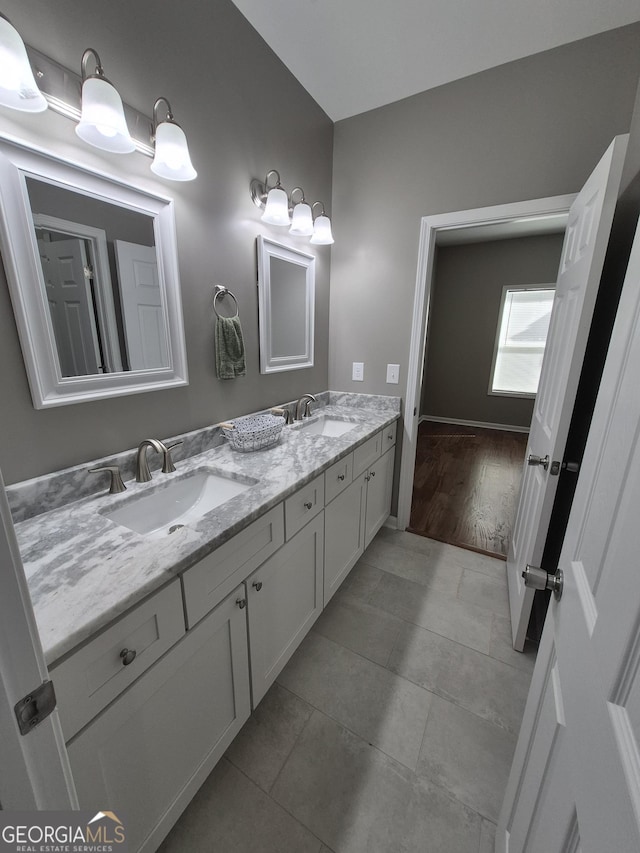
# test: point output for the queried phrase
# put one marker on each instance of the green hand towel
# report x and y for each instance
(230, 361)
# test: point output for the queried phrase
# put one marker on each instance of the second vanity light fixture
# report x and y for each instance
(100, 114)
(282, 209)
(102, 122)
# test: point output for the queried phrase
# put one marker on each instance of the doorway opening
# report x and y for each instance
(467, 226)
(490, 305)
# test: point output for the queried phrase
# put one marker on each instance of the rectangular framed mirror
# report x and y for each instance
(286, 301)
(92, 269)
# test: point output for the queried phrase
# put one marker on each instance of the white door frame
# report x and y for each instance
(430, 228)
(35, 771)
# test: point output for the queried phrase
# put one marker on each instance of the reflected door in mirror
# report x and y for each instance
(67, 282)
(142, 307)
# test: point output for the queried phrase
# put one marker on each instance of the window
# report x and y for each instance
(523, 324)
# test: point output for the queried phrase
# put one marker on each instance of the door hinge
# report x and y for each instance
(35, 707)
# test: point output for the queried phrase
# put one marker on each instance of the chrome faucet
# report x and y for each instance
(143, 475)
(302, 406)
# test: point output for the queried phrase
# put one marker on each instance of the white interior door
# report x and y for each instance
(581, 264)
(65, 265)
(575, 780)
(34, 770)
(142, 306)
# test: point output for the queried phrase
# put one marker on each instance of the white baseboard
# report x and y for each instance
(478, 424)
(391, 522)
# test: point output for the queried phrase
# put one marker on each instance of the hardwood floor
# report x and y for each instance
(466, 485)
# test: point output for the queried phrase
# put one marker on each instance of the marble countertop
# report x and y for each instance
(84, 570)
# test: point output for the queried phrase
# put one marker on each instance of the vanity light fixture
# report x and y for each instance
(322, 235)
(171, 158)
(279, 207)
(274, 200)
(102, 123)
(18, 88)
(302, 219)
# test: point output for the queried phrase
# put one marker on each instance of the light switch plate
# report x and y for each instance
(393, 374)
(358, 371)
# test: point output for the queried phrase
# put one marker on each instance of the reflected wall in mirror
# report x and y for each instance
(286, 294)
(92, 268)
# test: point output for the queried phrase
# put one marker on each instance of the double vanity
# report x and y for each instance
(167, 611)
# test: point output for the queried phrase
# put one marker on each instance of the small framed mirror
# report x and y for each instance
(286, 301)
(92, 269)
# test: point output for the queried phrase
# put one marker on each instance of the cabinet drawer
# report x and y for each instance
(304, 505)
(95, 674)
(337, 478)
(389, 436)
(210, 580)
(367, 453)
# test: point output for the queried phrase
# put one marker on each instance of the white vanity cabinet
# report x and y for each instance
(344, 520)
(144, 731)
(379, 479)
(284, 598)
(147, 754)
(357, 509)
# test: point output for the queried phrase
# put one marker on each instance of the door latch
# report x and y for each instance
(543, 461)
(35, 707)
(537, 578)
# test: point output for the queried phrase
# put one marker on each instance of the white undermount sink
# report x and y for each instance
(326, 425)
(173, 506)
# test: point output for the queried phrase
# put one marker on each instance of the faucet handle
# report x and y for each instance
(167, 462)
(117, 485)
(284, 412)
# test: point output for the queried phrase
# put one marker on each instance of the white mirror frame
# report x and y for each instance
(24, 274)
(270, 363)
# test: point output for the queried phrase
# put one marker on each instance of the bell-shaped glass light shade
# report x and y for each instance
(276, 211)
(302, 221)
(102, 123)
(172, 160)
(18, 88)
(322, 235)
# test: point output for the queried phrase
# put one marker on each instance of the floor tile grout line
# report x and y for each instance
(427, 779)
(433, 588)
(488, 654)
(306, 723)
(445, 545)
(273, 799)
(356, 734)
(485, 611)
(408, 681)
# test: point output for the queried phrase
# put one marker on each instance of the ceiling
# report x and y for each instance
(356, 55)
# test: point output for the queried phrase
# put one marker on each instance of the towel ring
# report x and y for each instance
(220, 292)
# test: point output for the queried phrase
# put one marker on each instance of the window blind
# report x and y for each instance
(524, 324)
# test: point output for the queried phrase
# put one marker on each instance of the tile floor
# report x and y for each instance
(392, 728)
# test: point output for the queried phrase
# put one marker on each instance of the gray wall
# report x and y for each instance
(465, 306)
(528, 129)
(243, 114)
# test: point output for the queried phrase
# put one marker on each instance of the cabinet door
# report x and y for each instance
(379, 485)
(344, 520)
(284, 600)
(147, 754)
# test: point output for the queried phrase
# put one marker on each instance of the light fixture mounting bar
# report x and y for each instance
(62, 88)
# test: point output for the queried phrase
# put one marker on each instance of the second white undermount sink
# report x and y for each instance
(327, 425)
(184, 500)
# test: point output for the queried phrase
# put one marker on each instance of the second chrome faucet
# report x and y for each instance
(143, 475)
